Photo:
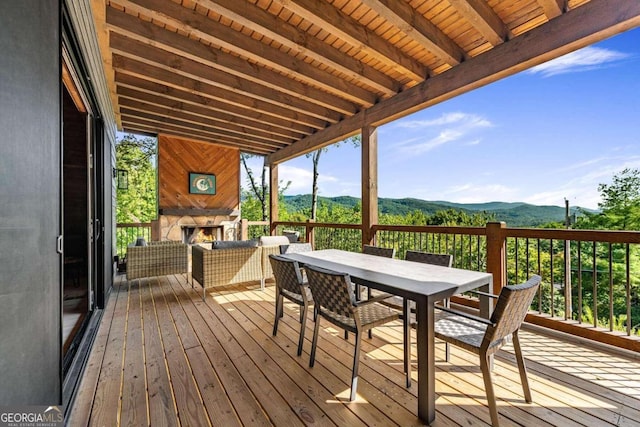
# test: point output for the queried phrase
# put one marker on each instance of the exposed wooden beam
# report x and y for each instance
(127, 95)
(150, 91)
(136, 127)
(196, 24)
(130, 105)
(573, 30)
(176, 123)
(217, 99)
(336, 22)
(483, 19)
(129, 30)
(158, 127)
(553, 8)
(402, 16)
(171, 76)
(182, 123)
(298, 41)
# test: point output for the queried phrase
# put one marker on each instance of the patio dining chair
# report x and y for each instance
(295, 248)
(334, 297)
(377, 251)
(290, 285)
(485, 337)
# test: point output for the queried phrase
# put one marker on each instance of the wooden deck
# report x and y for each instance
(164, 357)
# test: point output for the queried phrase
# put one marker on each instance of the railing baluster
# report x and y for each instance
(628, 289)
(595, 288)
(539, 273)
(551, 306)
(610, 287)
(579, 282)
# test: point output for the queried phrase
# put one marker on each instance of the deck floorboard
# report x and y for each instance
(164, 357)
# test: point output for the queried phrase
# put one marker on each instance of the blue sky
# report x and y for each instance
(543, 135)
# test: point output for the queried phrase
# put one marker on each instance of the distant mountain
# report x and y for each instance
(515, 214)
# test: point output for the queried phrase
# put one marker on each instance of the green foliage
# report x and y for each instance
(138, 202)
(620, 204)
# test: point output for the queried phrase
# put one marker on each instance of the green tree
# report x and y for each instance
(138, 203)
(315, 160)
(620, 205)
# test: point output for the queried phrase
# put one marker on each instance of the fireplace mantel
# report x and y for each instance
(199, 212)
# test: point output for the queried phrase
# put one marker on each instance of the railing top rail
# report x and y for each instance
(319, 224)
(608, 236)
(132, 224)
(436, 229)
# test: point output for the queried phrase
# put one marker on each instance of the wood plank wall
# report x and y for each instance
(177, 157)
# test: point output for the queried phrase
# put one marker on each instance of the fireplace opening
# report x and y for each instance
(201, 234)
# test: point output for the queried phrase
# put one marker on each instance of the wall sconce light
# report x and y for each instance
(122, 178)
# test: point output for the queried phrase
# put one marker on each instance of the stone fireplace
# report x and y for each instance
(197, 225)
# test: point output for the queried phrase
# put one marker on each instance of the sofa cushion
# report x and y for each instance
(223, 244)
(274, 240)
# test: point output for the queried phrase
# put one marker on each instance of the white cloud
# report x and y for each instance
(301, 179)
(448, 128)
(588, 58)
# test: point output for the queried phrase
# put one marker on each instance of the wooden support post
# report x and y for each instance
(496, 254)
(273, 197)
(310, 233)
(369, 183)
(244, 229)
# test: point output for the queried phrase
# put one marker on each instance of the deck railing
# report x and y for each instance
(589, 277)
(566, 260)
(127, 233)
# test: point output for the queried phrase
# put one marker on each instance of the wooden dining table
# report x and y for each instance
(423, 283)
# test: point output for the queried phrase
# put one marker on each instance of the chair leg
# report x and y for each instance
(522, 368)
(485, 367)
(314, 343)
(278, 313)
(303, 324)
(262, 284)
(346, 335)
(406, 312)
(356, 364)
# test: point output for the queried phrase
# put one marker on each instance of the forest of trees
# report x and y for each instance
(619, 209)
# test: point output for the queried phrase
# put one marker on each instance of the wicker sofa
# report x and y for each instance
(157, 259)
(234, 262)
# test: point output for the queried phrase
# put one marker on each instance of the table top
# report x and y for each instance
(409, 279)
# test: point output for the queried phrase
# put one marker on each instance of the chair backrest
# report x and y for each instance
(295, 248)
(511, 308)
(378, 251)
(287, 273)
(444, 260)
(331, 290)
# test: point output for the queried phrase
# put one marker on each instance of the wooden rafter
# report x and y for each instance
(336, 22)
(553, 8)
(262, 22)
(575, 29)
(407, 20)
(220, 35)
(483, 19)
(138, 39)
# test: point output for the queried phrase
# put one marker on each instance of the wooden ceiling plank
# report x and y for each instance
(127, 95)
(346, 28)
(402, 16)
(144, 107)
(580, 27)
(210, 96)
(148, 91)
(127, 61)
(483, 18)
(127, 30)
(136, 127)
(261, 21)
(553, 8)
(162, 122)
(198, 25)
